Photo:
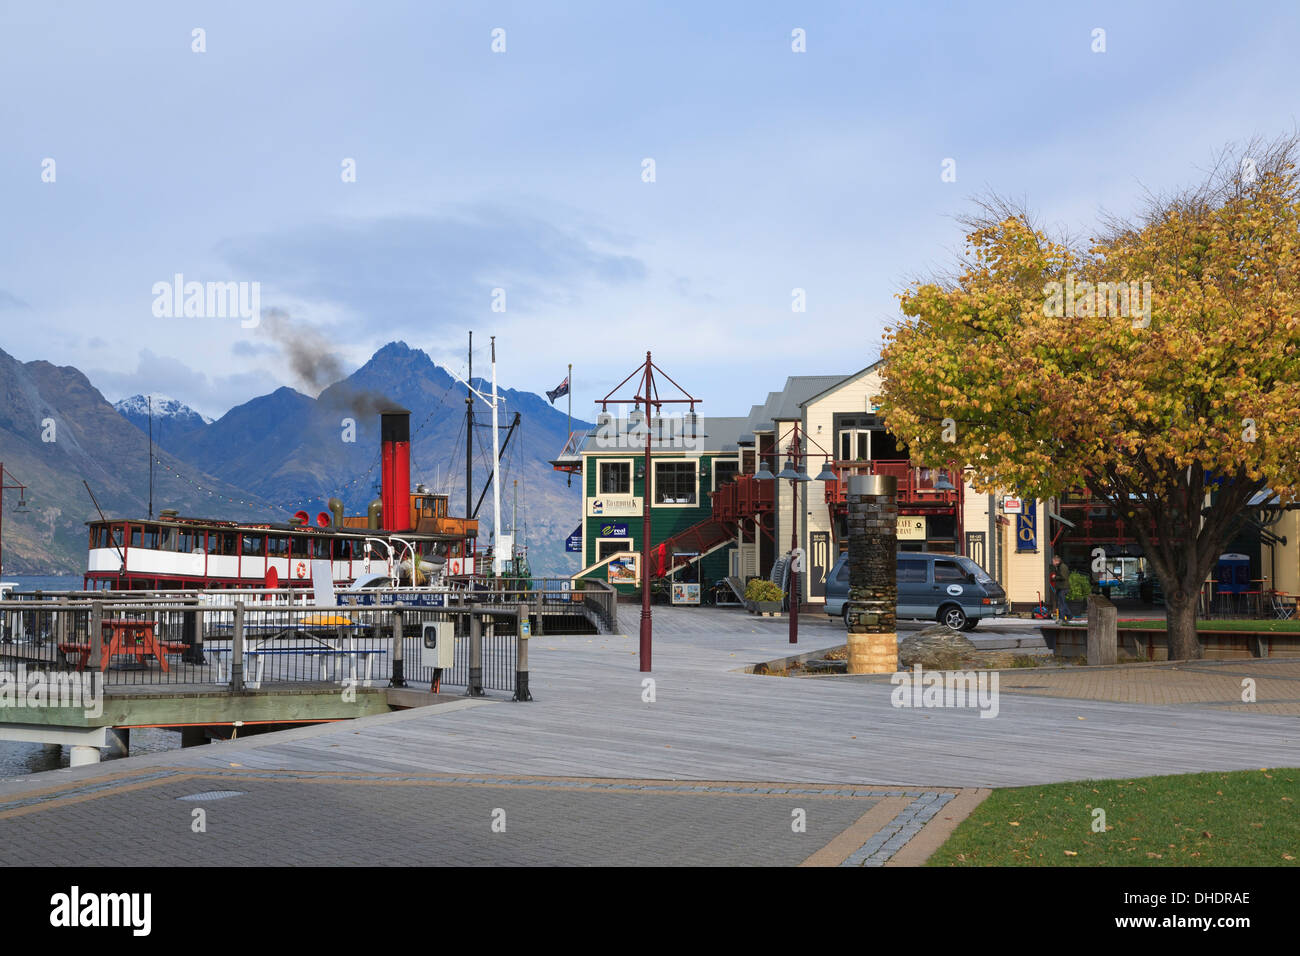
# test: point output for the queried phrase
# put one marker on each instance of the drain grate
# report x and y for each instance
(213, 795)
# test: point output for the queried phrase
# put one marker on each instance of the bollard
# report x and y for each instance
(399, 667)
(475, 684)
(237, 651)
(522, 634)
(96, 636)
(1102, 630)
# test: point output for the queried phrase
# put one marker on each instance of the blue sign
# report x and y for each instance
(574, 541)
(411, 598)
(1027, 528)
(616, 529)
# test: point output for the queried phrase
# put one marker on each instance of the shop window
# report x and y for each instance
(615, 478)
(606, 547)
(675, 483)
(723, 472)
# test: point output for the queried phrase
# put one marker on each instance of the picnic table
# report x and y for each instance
(125, 636)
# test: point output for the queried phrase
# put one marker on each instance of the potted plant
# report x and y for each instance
(763, 596)
(1076, 599)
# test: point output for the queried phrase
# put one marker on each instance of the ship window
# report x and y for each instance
(184, 541)
(300, 546)
(320, 548)
(149, 538)
(277, 547)
(134, 536)
(254, 545)
(221, 542)
(167, 539)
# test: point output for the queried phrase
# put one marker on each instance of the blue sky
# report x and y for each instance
(522, 170)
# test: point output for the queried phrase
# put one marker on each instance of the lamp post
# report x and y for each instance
(22, 505)
(646, 400)
(797, 476)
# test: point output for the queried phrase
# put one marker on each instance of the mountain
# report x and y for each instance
(56, 429)
(170, 417)
(301, 451)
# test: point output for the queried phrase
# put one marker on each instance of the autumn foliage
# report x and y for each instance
(1175, 406)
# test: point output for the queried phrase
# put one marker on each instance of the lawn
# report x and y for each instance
(1220, 624)
(1243, 818)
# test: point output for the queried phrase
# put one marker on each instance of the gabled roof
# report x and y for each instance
(841, 381)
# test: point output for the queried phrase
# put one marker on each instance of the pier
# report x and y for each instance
(230, 664)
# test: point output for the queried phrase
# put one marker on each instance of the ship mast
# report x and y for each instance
(502, 541)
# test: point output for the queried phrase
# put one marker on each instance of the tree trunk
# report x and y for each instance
(1180, 624)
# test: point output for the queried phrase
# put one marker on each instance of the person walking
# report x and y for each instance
(1061, 587)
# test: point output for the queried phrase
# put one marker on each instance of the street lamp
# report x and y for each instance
(645, 401)
(797, 476)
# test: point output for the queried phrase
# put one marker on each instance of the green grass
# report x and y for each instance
(1243, 818)
(1217, 624)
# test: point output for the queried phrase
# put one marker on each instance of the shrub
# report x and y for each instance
(759, 590)
(1080, 586)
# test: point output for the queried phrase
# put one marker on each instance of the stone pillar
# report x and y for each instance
(873, 574)
(1102, 630)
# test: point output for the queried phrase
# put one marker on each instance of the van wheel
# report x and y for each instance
(971, 624)
(953, 616)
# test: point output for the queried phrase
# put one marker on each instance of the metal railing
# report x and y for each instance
(252, 645)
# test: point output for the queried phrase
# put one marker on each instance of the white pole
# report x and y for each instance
(496, 478)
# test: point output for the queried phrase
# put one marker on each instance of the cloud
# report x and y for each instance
(10, 301)
(212, 396)
(413, 273)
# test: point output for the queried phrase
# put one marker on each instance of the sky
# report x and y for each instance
(524, 170)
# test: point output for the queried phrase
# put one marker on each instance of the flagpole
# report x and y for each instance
(570, 381)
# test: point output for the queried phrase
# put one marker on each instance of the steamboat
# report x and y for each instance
(405, 535)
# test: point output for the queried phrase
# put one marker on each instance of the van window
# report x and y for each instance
(842, 572)
(947, 572)
(971, 567)
(911, 572)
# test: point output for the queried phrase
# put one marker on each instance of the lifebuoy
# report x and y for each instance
(300, 571)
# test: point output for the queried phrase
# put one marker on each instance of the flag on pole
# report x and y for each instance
(561, 389)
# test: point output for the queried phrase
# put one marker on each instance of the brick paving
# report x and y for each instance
(333, 819)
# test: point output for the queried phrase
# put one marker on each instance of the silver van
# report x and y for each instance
(949, 588)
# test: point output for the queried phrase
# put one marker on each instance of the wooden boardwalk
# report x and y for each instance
(710, 721)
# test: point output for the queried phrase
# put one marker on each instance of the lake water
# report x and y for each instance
(18, 760)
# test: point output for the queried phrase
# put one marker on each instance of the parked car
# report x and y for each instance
(948, 588)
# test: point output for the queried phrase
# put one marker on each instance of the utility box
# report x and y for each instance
(438, 648)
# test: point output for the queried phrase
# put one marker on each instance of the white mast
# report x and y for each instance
(504, 543)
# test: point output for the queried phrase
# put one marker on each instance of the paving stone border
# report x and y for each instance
(891, 838)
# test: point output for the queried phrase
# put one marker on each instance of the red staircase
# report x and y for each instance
(741, 499)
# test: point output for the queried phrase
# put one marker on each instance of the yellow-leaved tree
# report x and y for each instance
(1156, 366)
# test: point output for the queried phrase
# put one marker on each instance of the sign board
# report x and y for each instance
(625, 569)
(1011, 506)
(613, 529)
(574, 541)
(686, 593)
(371, 598)
(617, 506)
(911, 527)
(1027, 530)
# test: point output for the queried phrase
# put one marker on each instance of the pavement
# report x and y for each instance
(707, 764)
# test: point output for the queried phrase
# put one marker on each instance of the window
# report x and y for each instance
(185, 542)
(606, 547)
(254, 545)
(615, 478)
(221, 542)
(133, 539)
(152, 537)
(277, 546)
(320, 548)
(675, 482)
(723, 472)
(911, 572)
(855, 444)
(167, 539)
(300, 543)
(947, 572)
